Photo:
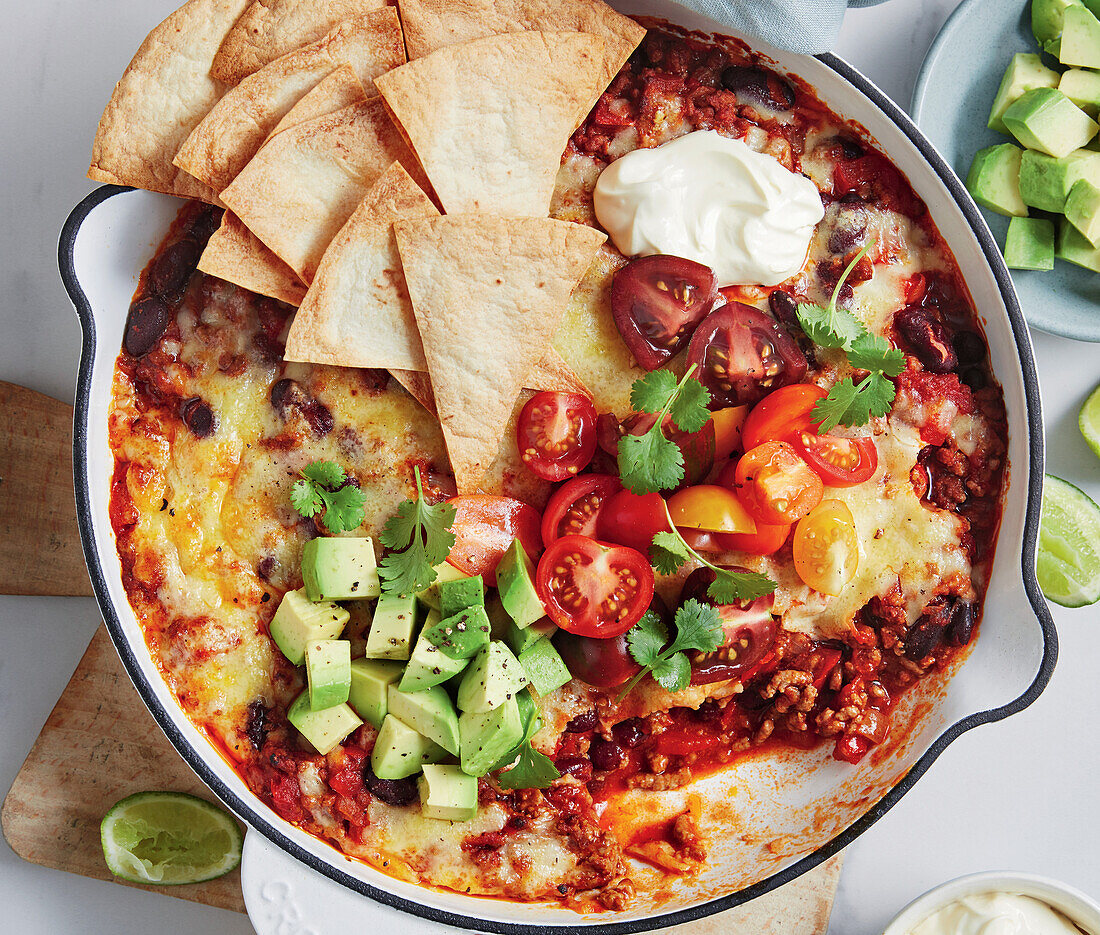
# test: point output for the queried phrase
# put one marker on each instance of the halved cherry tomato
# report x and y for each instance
(701, 541)
(742, 354)
(592, 588)
(575, 506)
(728, 428)
(767, 540)
(657, 303)
(711, 508)
(603, 663)
(632, 520)
(837, 460)
(776, 485)
(556, 434)
(781, 414)
(696, 447)
(826, 547)
(485, 526)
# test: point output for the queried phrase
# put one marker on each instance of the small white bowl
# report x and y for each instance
(1080, 909)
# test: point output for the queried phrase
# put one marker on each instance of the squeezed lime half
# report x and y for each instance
(1068, 563)
(1088, 419)
(168, 838)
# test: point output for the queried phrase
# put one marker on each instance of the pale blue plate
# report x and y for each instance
(951, 103)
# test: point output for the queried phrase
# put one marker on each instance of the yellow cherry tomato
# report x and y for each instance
(826, 547)
(727, 430)
(711, 508)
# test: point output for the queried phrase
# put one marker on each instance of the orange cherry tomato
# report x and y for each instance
(485, 526)
(727, 430)
(781, 414)
(826, 547)
(776, 486)
(711, 508)
(767, 540)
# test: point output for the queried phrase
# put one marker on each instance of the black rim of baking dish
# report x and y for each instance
(263, 821)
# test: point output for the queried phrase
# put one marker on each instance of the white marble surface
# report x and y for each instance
(1016, 795)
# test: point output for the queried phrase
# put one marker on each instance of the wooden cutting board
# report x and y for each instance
(100, 743)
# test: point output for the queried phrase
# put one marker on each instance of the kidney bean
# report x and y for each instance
(146, 324)
(628, 734)
(198, 417)
(605, 755)
(319, 417)
(758, 86)
(849, 147)
(923, 637)
(287, 394)
(975, 378)
(390, 791)
(256, 727)
(267, 567)
(583, 723)
(785, 309)
(207, 221)
(578, 767)
(969, 347)
(172, 269)
(928, 339)
(964, 616)
(284, 394)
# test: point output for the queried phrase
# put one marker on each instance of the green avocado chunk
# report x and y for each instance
(1025, 73)
(994, 179)
(340, 569)
(544, 667)
(444, 572)
(1080, 39)
(1083, 210)
(447, 793)
(1083, 88)
(430, 712)
(323, 729)
(370, 682)
(462, 635)
(429, 665)
(516, 584)
(391, 630)
(1030, 244)
(400, 751)
(299, 620)
(1046, 120)
(492, 680)
(518, 640)
(459, 594)
(1048, 18)
(328, 672)
(486, 736)
(1074, 247)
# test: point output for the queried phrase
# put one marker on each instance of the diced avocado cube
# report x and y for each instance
(1083, 88)
(1030, 244)
(1083, 210)
(429, 665)
(391, 631)
(370, 682)
(1046, 120)
(324, 729)
(1074, 247)
(444, 571)
(328, 672)
(430, 712)
(1048, 18)
(492, 679)
(461, 636)
(516, 584)
(399, 751)
(499, 621)
(529, 718)
(1053, 48)
(544, 668)
(1080, 39)
(459, 594)
(447, 793)
(1045, 181)
(487, 736)
(518, 640)
(994, 179)
(337, 569)
(1025, 73)
(298, 620)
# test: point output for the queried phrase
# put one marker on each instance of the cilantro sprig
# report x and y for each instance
(698, 627)
(849, 403)
(420, 537)
(651, 462)
(533, 770)
(670, 552)
(324, 488)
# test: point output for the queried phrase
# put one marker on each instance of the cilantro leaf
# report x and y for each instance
(668, 552)
(651, 393)
(533, 770)
(873, 352)
(649, 462)
(672, 673)
(689, 407)
(325, 489)
(739, 586)
(850, 404)
(829, 327)
(420, 536)
(647, 638)
(698, 627)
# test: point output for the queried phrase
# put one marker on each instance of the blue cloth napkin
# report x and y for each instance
(806, 26)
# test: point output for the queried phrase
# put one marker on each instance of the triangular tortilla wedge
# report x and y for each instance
(488, 294)
(338, 89)
(433, 24)
(303, 185)
(237, 126)
(163, 94)
(268, 29)
(490, 119)
(236, 255)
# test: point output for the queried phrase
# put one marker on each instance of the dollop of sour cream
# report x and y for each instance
(714, 200)
(996, 914)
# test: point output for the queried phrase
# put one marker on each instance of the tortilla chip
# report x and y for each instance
(487, 294)
(304, 184)
(269, 29)
(236, 255)
(433, 24)
(163, 94)
(339, 89)
(237, 126)
(490, 119)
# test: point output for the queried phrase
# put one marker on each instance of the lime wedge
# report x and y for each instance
(1089, 421)
(169, 838)
(1068, 563)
